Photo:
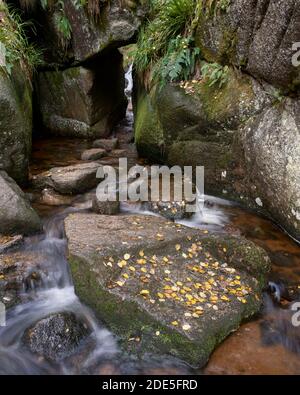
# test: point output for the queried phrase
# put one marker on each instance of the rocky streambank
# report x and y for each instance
(244, 127)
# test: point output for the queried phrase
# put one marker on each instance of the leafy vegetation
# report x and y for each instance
(215, 74)
(179, 61)
(14, 44)
(166, 43)
(62, 24)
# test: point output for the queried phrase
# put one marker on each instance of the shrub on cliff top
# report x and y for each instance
(166, 42)
(14, 45)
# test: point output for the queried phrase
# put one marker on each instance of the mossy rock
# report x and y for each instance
(205, 113)
(15, 123)
(149, 287)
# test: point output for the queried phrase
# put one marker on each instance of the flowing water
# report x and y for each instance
(269, 344)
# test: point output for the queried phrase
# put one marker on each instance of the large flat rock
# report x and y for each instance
(69, 179)
(163, 287)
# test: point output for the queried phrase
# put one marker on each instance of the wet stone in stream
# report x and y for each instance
(163, 287)
(57, 336)
(18, 273)
(93, 154)
(69, 179)
(171, 210)
(106, 207)
(106, 144)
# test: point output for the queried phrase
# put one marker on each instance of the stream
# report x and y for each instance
(268, 344)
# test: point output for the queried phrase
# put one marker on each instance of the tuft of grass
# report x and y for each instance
(168, 19)
(15, 46)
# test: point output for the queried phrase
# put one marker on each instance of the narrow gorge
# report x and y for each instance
(93, 287)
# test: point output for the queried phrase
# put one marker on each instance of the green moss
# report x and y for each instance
(128, 321)
(149, 135)
(242, 255)
(222, 105)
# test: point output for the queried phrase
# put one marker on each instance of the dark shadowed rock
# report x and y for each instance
(93, 154)
(107, 144)
(85, 101)
(15, 124)
(56, 337)
(177, 290)
(105, 208)
(69, 179)
(113, 24)
(16, 214)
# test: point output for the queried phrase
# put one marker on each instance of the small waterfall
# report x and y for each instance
(277, 326)
(129, 82)
(55, 294)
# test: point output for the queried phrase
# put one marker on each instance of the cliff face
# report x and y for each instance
(246, 132)
(75, 33)
(15, 103)
(84, 95)
(257, 36)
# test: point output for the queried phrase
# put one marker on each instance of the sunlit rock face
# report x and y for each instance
(257, 36)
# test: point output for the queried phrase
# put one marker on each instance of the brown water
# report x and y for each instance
(268, 344)
(262, 346)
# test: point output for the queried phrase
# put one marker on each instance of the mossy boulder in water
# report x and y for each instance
(194, 111)
(162, 287)
(245, 136)
(195, 124)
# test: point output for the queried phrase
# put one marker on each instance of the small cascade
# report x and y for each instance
(54, 294)
(129, 82)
